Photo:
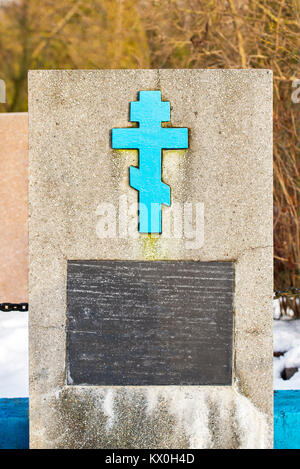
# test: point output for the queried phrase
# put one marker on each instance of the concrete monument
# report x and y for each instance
(151, 259)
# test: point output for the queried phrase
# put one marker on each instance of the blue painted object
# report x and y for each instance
(150, 138)
(14, 423)
(287, 419)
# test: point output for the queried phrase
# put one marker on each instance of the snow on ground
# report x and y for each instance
(277, 312)
(13, 354)
(287, 339)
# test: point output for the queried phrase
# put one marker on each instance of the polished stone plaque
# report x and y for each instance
(149, 323)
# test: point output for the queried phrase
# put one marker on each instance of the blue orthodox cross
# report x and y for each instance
(150, 138)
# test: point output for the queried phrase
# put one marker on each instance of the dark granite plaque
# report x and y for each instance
(149, 323)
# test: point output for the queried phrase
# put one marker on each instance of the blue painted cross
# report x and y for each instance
(150, 138)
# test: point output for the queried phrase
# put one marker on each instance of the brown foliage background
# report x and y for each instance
(174, 34)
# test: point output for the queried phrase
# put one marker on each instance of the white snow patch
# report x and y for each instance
(287, 339)
(14, 354)
(286, 335)
(277, 311)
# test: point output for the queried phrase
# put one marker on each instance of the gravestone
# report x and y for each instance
(151, 259)
(13, 208)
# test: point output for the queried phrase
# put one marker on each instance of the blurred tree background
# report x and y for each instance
(46, 34)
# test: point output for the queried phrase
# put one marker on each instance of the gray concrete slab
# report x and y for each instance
(82, 208)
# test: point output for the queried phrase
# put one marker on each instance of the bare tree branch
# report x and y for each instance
(56, 30)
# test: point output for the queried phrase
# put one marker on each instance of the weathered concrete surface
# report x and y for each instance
(13, 207)
(228, 168)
